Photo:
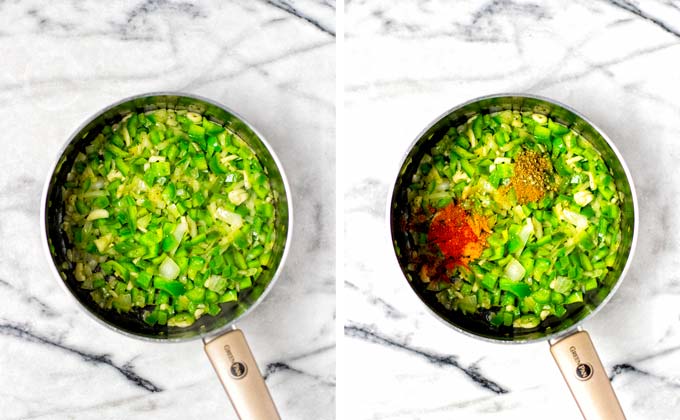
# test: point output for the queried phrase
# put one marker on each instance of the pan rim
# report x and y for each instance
(201, 335)
(557, 335)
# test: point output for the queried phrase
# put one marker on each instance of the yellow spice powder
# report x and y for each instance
(531, 178)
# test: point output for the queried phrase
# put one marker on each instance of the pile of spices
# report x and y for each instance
(531, 179)
(461, 237)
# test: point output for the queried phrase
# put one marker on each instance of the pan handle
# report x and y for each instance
(587, 379)
(235, 366)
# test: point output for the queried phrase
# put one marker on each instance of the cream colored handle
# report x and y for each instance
(588, 382)
(235, 365)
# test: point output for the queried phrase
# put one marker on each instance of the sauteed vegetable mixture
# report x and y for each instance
(515, 217)
(169, 213)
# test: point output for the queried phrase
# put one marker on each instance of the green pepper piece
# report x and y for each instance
(517, 288)
(196, 295)
(143, 280)
(181, 320)
(174, 288)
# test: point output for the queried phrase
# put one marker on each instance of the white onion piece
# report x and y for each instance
(443, 186)
(169, 269)
(526, 231)
(181, 229)
(514, 270)
(98, 214)
(578, 220)
(583, 198)
(237, 196)
(457, 177)
(233, 219)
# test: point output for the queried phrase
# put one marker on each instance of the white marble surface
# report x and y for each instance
(274, 62)
(407, 62)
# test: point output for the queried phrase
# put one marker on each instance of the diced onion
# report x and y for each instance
(103, 242)
(98, 184)
(98, 214)
(526, 231)
(561, 284)
(216, 283)
(180, 230)
(233, 219)
(583, 198)
(169, 269)
(442, 186)
(575, 219)
(571, 161)
(538, 228)
(237, 196)
(514, 270)
(459, 176)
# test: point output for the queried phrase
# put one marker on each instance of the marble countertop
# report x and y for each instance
(272, 61)
(406, 63)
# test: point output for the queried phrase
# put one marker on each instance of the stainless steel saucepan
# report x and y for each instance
(225, 345)
(570, 346)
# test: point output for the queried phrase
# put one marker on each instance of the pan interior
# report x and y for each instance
(132, 323)
(477, 325)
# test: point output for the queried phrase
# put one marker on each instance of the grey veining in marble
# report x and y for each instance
(407, 62)
(273, 61)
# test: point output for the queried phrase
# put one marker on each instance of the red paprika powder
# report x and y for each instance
(461, 237)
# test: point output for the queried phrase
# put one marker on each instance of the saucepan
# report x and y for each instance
(224, 344)
(570, 345)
